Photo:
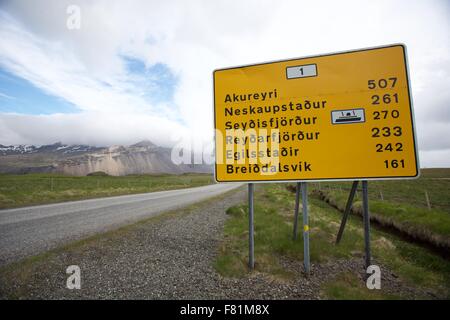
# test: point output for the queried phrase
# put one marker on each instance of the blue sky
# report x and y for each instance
(17, 95)
(157, 81)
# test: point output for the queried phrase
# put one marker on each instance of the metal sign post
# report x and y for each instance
(305, 227)
(347, 211)
(251, 240)
(366, 218)
(297, 205)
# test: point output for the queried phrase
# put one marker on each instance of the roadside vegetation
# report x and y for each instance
(274, 203)
(440, 173)
(419, 209)
(431, 226)
(33, 189)
(433, 182)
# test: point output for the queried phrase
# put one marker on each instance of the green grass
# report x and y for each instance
(413, 263)
(347, 286)
(431, 226)
(274, 205)
(272, 236)
(32, 189)
(436, 182)
(435, 173)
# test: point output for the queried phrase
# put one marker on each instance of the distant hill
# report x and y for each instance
(439, 173)
(56, 148)
(140, 158)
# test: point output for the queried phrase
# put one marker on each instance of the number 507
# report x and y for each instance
(382, 83)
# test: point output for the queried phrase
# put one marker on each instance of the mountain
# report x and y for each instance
(143, 157)
(56, 147)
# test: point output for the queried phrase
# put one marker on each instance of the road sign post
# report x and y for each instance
(366, 218)
(251, 240)
(348, 207)
(296, 209)
(305, 227)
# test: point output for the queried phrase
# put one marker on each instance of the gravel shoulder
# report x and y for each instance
(165, 257)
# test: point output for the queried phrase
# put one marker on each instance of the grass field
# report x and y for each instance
(32, 189)
(434, 182)
(430, 226)
(435, 173)
(415, 265)
(402, 205)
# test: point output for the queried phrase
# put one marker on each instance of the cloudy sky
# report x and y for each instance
(143, 69)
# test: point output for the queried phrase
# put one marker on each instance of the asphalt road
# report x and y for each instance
(32, 230)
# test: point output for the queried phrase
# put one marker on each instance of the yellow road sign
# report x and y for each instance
(346, 115)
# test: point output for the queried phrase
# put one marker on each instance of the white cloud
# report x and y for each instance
(96, 128)
(6, 96)
(194, 37)
(436, 158)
